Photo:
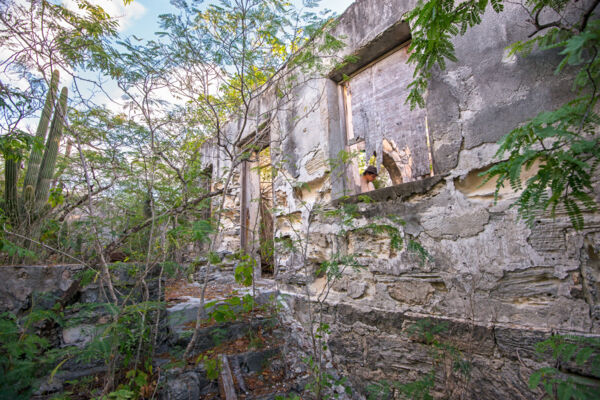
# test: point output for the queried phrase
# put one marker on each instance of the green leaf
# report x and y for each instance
(583, 355)
(535, 378)
(55, 370)
(564, 390)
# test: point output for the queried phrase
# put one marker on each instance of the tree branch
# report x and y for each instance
(173, 211)
(67, 210)
(588, 14)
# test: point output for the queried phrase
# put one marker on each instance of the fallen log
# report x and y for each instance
(226, 385)
(237, 373)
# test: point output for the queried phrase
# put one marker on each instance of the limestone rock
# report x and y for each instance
(79, 335)
(184, 386)
(452, 223)
(356, 289)
(411, 292)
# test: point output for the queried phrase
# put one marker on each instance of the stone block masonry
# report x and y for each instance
(499, 285)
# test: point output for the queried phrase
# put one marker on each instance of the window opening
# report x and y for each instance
(384, 179)
(244, 206)
(206, 184)
(379, 124)
(206, 210)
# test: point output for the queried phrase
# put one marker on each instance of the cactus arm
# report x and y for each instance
(42, 187)
(35, 157)
(11, 166)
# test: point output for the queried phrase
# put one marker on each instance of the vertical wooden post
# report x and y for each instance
(244, 208)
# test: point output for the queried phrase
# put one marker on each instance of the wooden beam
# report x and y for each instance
(226, 385)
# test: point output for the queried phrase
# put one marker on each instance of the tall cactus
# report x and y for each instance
(23, 211)
(35, 157)
(42, 188)
(11, 167)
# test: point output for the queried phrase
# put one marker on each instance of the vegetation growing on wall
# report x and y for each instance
(125, 185)
(447, 361)
(565, 141)
(568, 353)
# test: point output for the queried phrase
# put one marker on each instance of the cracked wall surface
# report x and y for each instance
(500, 285)
(387, 126)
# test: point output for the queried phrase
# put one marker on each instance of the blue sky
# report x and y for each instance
(141, 17)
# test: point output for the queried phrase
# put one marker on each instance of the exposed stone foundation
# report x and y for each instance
(501, 285)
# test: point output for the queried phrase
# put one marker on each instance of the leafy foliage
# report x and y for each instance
(25, 357)
(553, 142)
(560, 145)
(230, 309)
(291, 396)
(582, 351)
(123, 332)
(429, 333)
(417, 390)
(244, 269)
(322, 380)
(564, 142)
(433, 25)
(77, 37)
(213, 368)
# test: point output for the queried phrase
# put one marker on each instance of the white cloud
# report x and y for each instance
(126, 15)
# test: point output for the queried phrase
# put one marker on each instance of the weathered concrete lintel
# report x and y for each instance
(398, 192)
(386, 41)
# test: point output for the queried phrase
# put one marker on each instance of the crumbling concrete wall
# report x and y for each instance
(215, 159)
(499, 284)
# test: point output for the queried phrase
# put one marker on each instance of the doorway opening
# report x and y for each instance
(257, 206)
(265, 174)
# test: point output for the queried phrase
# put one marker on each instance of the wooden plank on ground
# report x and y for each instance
(237, 373)
(226, 385)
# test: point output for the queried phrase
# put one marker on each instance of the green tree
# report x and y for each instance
(121, 181)
(563, 142)
(225, 59)
(41, 38)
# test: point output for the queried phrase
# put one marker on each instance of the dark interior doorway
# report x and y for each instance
(265, 172)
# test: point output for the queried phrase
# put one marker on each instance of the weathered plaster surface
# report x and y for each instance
(502, 286)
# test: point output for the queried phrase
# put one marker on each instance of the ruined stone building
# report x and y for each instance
(499, 285)
(430, 243)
